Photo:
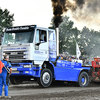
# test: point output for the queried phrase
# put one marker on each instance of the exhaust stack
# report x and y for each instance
(57, 40)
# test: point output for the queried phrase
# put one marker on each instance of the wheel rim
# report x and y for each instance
(46, 77)
(84, 80)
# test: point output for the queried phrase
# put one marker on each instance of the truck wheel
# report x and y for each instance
(45, 79)
(83, 79)
(15, 80)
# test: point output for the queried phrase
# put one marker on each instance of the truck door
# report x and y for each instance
(41, 46)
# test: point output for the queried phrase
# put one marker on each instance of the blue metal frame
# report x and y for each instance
(68, 71)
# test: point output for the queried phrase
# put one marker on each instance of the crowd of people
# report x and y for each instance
(85, 61)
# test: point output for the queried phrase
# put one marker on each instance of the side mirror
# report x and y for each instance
(37, 44)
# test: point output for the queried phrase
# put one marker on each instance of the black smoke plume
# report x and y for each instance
(61, 6)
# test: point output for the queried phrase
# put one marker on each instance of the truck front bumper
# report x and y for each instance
(34, 71)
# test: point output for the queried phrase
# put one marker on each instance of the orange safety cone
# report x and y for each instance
(1, 66)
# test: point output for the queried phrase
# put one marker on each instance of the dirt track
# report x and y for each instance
(55, 92)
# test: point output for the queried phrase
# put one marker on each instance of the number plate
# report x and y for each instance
(14, 69)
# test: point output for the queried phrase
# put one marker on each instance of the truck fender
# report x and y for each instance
(50, 66)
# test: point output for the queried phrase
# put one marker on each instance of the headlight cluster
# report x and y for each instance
(27, 66)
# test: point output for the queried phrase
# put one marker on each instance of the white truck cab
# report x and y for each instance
(31, 43)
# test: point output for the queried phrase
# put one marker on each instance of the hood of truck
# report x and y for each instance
(18, 51)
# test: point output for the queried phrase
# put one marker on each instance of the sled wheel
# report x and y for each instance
(83, 79)
(45, 79)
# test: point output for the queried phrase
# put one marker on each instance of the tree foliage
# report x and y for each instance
(90, 41)
(6, 19)
(67, 36)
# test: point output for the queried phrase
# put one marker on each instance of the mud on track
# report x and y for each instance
(32, 91)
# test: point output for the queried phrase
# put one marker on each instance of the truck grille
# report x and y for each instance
(15, 55)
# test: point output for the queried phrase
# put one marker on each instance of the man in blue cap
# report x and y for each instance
(4, 80)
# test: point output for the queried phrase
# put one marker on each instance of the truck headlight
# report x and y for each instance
(27, 66)
(3, 53)
(25, 56)
(26, 71)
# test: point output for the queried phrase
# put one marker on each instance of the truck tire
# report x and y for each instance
(83, 79)
(15, 80)
(46, 78)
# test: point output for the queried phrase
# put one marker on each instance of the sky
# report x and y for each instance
(29, 12)
(40, 13)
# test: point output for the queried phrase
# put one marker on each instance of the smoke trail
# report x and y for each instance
(87, 14)
(61, 6)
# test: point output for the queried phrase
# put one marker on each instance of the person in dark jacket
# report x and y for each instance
(4, 79)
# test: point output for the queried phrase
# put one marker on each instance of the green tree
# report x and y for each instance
(68, 36)
(6, 19)
(90, 41)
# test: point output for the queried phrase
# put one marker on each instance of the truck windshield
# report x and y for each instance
(18, 37)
